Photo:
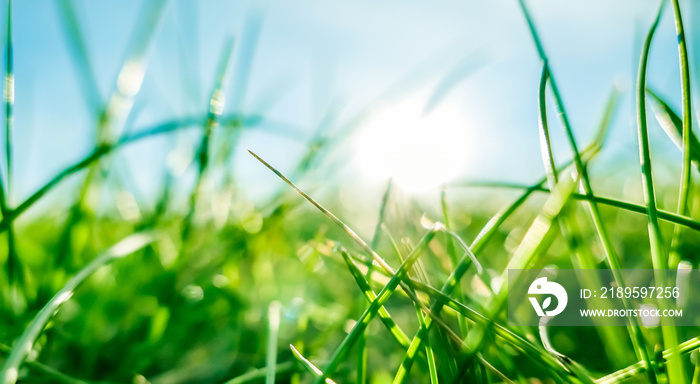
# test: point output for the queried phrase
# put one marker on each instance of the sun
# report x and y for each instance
(419, 150)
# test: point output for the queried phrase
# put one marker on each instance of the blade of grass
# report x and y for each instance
(685, 182)
(603, 234)
(258, 375)
(49, 372)
(309, 365)
(15, 274)
(216, 108)
(9, 100)
(273, 314)
(357, 239)
(364, 285)
(453, 255)
(545, 143)
(430, 356)
(673, 126)
(131, 74)
(80, 56)
(23, 346)
(676, 369)
(624, 205)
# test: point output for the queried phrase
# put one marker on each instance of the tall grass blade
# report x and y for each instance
(15, 272)
(383, 314)
(80, 56)
(685, 182)
(453, 255)
(676, 369)
(273, 314)
(215, 110)
(9, 100)
(545, 143)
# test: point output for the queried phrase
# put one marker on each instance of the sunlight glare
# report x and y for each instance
(419, 152)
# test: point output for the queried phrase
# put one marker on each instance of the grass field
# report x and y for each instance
(209, 284)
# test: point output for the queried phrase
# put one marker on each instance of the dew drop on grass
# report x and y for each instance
(193, 293)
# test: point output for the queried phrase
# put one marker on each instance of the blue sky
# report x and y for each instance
(313, 55)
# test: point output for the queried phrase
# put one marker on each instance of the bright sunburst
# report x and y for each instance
(419, 151)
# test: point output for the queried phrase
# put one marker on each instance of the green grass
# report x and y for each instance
(289, 291)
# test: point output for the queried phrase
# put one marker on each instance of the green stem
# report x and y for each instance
(676, 369)
(686, 180)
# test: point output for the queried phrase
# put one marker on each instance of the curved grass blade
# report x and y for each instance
(80, 56)
(309, 365)
(257, 375)
(545, 143)
(620, 204)
(658, 254)
(673, 126)
(686, 180)
(24, 344)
